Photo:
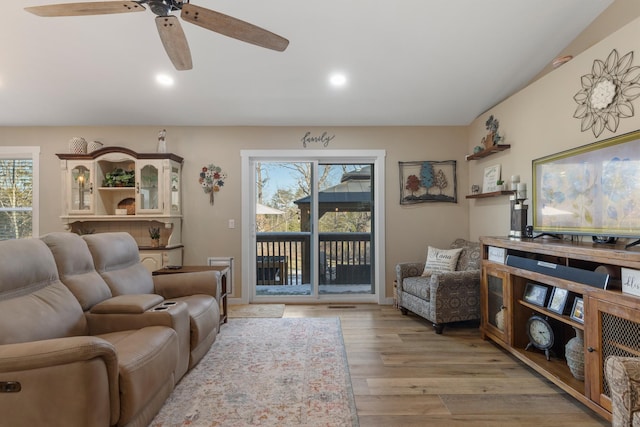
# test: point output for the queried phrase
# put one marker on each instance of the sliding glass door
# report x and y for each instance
(313, 229)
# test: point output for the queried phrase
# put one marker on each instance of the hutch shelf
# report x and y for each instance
(611, 319)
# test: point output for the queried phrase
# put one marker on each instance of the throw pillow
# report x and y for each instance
(441, 260)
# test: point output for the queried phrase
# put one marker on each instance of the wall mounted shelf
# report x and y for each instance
(488, 151)
(491, 194)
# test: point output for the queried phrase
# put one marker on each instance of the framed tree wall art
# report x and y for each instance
(428, 181)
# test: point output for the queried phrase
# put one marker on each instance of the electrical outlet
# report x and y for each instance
(232, 223)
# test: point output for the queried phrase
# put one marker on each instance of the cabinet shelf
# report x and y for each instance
(559, 317)
(488, 151)
(491, 194)
(554, 368)
(116, 188)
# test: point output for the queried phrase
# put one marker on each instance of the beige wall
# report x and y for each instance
(539, 121)
(536, 121)
(409, 229)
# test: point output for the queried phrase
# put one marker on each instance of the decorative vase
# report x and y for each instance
(93, 146)
(500, 319)
(77, 145)
(155, 243)
(574, 352)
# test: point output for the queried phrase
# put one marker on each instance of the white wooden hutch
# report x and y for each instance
(146, 194)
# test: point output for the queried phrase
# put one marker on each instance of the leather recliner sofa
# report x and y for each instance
(71, 354)
(116, 259)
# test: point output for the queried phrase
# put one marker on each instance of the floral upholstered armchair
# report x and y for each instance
(623, 377)
(442, 295)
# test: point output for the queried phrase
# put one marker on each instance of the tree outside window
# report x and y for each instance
(16, 196)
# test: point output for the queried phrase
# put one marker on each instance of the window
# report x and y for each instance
(19, 168)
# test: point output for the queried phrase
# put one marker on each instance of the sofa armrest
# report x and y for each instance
(173, 314)
(462, 286)
(127, 304)
(184, 284)
(56, 377)
(623, 376)
(408, 269)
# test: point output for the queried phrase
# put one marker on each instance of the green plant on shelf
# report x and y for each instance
(119, 178)
(154, 233)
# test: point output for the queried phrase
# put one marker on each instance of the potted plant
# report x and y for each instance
(119, 178)
(500, 184)
(154, 233)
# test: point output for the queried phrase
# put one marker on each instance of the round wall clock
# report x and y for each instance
(540, 334)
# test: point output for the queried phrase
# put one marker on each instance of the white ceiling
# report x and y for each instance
(408, 62)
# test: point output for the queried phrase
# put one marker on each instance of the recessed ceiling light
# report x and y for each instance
(338, 79)
(164, 80)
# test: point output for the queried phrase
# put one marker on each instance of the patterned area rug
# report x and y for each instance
(255, 310)
(267, 372)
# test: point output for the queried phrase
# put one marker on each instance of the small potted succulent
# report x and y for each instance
(154, 233)
(500, 184)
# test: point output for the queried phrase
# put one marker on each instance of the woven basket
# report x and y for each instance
(129, 204)
(77, 145)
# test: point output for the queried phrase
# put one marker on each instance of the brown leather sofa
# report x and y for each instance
(72, 354)
(116, 259)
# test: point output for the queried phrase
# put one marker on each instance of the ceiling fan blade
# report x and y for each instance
(86, 8)
(232, 27)
(174, 41)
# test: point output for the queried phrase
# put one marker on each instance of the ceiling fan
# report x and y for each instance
(169, 28)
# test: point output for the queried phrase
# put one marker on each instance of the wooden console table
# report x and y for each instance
(222, 272)
(609, 321)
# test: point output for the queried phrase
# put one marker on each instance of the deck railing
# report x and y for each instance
(285, 258)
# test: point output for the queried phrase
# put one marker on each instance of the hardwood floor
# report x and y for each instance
(403, 374)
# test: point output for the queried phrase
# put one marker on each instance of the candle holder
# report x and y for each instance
(518, 211)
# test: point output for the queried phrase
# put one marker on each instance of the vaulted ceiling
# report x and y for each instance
(406, 62)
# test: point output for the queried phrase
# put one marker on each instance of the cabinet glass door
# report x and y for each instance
(494, 301)
(175, 190)
(81, 189)
(147, 191)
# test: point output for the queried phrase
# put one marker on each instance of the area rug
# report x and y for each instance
(267, 372)
(256, 310)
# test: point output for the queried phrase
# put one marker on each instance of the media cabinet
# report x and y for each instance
(611, 319)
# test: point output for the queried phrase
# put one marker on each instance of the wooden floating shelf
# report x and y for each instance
(488, 151)
(491, 194)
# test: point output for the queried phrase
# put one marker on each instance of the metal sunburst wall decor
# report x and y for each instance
(607, 93)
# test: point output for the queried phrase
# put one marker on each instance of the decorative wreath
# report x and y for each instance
(211, 179)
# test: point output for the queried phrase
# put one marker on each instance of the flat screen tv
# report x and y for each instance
(590, 190)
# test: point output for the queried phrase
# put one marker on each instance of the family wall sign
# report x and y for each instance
(323, 139)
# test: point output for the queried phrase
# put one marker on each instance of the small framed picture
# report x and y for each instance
(491, 178)
(558, 300)
(535, 293)
(577, 312)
